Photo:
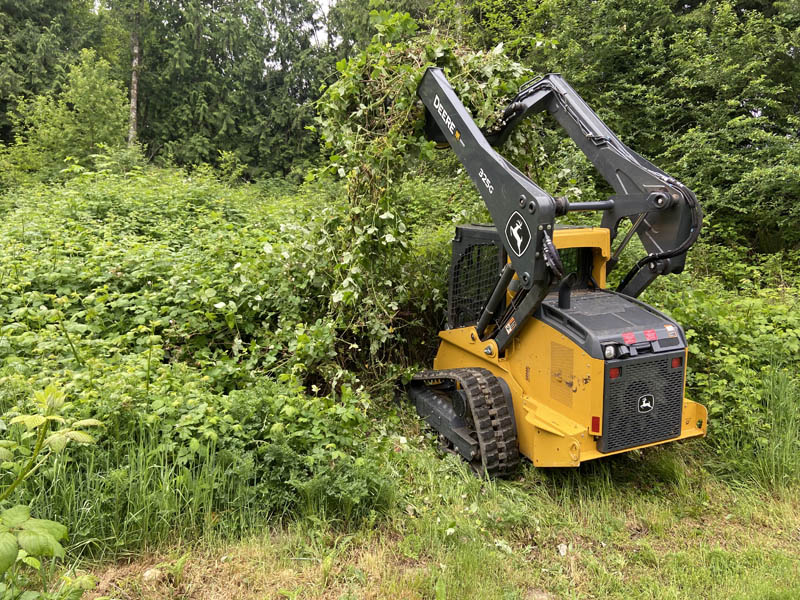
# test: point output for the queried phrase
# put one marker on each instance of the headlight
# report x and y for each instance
(610, 352)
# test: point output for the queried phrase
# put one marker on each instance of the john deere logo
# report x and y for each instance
(646, 403)
(518, 234)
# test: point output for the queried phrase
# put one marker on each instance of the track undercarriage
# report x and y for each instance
(471, 410)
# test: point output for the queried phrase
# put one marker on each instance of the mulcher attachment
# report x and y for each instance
(471, 410)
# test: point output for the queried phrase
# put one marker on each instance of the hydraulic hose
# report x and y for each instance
(694, 233)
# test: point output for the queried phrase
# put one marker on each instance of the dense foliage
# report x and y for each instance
(236, 77)
(708, 90)
(372, 126)
(150, 297)
(240, 342)
(744, 342)
(26, 541)
(38, 40)
(86, 115)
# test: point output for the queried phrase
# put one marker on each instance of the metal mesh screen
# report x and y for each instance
(474, 275)
(643, 381)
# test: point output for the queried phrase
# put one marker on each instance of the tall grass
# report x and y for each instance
(137, 496)
(118, 500)
(777, 463)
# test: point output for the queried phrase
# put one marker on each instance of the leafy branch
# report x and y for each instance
(24, 539)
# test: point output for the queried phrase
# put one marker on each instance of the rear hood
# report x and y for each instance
(599, 317)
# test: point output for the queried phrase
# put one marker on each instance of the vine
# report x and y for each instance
(372, 125)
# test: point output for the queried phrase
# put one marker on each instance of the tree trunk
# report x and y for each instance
(134, 75)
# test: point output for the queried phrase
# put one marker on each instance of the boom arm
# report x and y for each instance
(671, 216)
(523, 209)
(663, 212)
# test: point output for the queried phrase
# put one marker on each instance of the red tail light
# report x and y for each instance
(677, 362)
(614, 372)
(595, 424)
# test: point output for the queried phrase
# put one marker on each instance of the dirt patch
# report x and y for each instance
(225, 577)
(258, 571)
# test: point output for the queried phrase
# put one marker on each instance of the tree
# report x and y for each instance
(90, 110)
(232, 76)
(350, 24)
(38, 40)
(135, 63)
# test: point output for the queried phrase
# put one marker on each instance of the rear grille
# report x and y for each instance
(647, 380)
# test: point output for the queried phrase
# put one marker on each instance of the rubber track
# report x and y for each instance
(494, 428)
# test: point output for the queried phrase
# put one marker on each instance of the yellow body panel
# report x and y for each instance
(556, 387)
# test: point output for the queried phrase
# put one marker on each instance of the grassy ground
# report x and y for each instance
(649, 525)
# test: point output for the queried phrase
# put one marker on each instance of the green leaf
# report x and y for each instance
(79, 436)
(88, 423)
(57, 442)
(32, 562)
(15, 516)
(30, 421)
(39, 544)
(50, 397)
(8, 551)
(47, 527)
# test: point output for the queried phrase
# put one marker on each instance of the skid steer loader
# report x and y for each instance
(539, 358)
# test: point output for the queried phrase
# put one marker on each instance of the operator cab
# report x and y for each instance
(479, 257)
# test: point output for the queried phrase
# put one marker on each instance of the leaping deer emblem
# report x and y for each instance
(514, 229)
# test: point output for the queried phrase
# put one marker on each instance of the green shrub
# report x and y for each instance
(90, 111)
(177, 457)
(169, 306)
(743, 363)
(28, 544)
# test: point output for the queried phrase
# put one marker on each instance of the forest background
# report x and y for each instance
(215, 221)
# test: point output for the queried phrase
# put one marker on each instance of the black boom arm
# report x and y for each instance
(519, 207)
(664, 213)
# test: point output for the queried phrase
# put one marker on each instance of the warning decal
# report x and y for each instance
(511, 325)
